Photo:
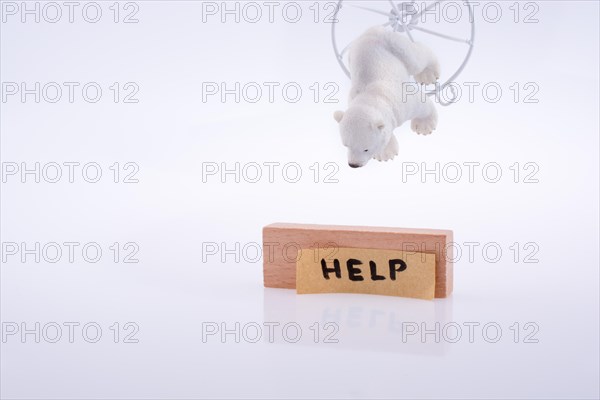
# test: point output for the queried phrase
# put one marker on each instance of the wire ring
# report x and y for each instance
(397, 20)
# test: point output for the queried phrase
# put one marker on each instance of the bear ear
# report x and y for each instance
(338, 115)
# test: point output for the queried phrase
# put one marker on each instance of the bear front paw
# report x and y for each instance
(424, 126)
(389, 152)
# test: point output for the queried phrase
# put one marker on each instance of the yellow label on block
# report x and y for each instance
(371, 271)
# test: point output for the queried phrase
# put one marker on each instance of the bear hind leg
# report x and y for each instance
(430, 73)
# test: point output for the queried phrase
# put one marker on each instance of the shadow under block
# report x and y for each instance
(282, 240)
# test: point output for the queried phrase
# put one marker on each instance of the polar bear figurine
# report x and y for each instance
(381, 62)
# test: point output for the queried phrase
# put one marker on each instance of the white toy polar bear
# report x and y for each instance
(381, 62)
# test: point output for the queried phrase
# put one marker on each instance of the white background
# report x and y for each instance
(173, 212)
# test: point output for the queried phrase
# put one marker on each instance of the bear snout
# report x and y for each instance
(353, 165)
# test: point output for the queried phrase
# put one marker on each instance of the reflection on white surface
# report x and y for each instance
(361, 322)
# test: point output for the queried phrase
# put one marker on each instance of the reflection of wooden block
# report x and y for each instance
(282, 241)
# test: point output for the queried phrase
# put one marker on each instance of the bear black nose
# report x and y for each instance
(353, 165)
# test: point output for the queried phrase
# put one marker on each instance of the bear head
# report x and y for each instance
(364, 132)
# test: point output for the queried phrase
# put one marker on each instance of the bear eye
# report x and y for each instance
(366, 150)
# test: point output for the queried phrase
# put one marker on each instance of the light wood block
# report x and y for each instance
(281, 241)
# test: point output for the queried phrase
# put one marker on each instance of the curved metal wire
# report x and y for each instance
(402, 26)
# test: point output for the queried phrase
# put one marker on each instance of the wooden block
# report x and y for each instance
(281, 242)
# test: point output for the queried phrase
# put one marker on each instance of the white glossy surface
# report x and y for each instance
(171, 292)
